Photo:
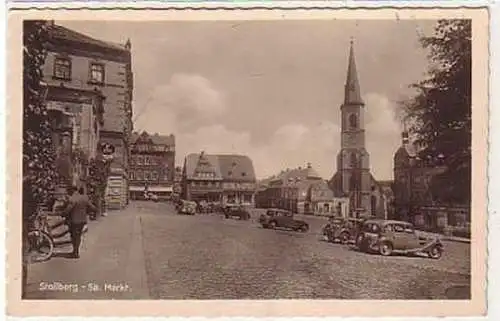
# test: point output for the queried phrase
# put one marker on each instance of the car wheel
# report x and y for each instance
(344, 238)
(436, 252)
(272, 225)
(385, 249)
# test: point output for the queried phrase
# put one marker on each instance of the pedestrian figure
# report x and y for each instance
(77, 215)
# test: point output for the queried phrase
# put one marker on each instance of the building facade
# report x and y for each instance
(300, 190)
(152, 165)
(97, 76)
(225, 179)
(353, 178)
(413, 199)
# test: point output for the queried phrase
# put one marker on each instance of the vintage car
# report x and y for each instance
(236, 212)
(387, 237)
(343, 230)
(284, 219)
(187, 208)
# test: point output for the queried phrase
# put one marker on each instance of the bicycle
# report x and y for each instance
(40, 245)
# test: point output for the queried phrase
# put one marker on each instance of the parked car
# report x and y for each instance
(281, 218)
(343, 230)
(387, 237)
(187, 208)
(237, 211)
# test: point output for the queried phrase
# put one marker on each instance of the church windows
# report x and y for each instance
(353, 121)
(354, 160)
(374, 205)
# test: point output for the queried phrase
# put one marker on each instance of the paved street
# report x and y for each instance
(162, 255)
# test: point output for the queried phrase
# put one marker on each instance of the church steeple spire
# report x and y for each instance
(352, 92)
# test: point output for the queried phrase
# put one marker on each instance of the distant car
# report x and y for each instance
(281, 218)
(343, 230)
(387, 237)
(187, 208)
(237, 211)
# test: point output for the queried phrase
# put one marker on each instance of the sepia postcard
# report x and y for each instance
(247, 161)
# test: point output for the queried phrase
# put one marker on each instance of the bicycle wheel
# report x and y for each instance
(41, 245)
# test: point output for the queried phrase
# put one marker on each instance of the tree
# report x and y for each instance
(440, 113)
(38, 155)
(99, 170)
(39, 174)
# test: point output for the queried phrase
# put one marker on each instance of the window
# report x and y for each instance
(353, 121)
(409, 229)
(139, 175)
(154, 175)
(132, 176)
(399, 228)
(62, 68)
(354, 160)
(147, 176)
(140, 160)
(97, 73)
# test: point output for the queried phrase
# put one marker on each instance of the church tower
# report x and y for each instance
(353, 162)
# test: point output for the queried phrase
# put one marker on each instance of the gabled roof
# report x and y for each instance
(291, 176)
(60, 33)
(209, 163)
(320, 191)
(238, 168)
(156, 139)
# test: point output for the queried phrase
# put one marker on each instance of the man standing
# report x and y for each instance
(77, 211)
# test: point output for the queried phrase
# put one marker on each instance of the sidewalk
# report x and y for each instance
(111, 264)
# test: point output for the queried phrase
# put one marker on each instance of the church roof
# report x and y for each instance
(352, 90)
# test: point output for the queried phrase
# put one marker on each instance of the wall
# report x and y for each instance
(114, 87)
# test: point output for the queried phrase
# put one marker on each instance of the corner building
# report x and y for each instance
(83, 68)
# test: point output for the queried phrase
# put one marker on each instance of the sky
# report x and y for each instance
(271, 90)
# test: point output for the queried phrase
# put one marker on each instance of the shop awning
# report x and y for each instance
(161, 189)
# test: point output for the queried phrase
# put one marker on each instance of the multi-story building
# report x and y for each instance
(152, 165)
(90, 79)
(413, 197)
(300, 190)
(228, 179)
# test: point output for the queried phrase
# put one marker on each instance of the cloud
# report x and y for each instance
(290, 146)
(186, 102)
(382, 133)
